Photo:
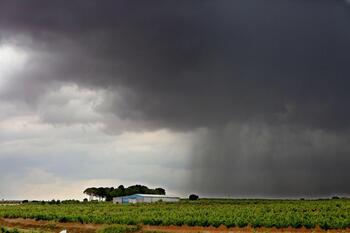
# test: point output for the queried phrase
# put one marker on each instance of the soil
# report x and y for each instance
(53, 226)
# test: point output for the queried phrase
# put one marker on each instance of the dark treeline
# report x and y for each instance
(109, 192)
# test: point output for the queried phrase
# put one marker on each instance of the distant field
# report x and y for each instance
(327, 214)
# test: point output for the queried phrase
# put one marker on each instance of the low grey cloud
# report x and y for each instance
(273, 71)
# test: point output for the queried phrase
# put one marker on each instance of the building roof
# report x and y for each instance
(149, 195)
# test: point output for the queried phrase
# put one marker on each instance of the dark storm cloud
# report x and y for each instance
(254, 160)
(189, 64)
(199, 63)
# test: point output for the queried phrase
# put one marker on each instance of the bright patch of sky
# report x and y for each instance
(12, 60)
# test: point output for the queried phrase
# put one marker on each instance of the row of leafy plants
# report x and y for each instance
(326, 214)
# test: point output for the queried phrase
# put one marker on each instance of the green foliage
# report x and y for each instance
(327, 214)
(193, 197)
(109, 193)
(15, 230)
(119, 229)
(53, 202)
(71, 201)
(6, 230)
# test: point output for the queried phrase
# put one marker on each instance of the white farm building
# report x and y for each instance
(145, 198)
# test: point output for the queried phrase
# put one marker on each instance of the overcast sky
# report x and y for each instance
(243, 98)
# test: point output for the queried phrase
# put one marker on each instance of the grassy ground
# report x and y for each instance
(20, 230)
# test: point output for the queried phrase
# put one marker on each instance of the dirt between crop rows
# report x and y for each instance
(53, 226)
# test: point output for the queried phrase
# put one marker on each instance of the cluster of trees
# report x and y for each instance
(54, 202)
(108, 193)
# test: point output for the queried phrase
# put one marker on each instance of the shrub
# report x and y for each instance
(193, 197)
(5, 230)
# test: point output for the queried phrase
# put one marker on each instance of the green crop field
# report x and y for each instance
(327, 214)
